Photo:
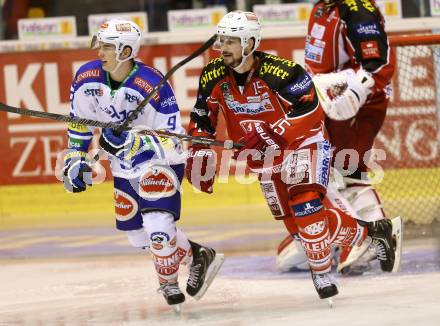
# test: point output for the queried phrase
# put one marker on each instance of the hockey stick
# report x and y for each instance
(134, 114)
(228, 144)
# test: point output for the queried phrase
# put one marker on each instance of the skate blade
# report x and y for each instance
(398, 233)
(210, 275)
(177, 308)
(330, 302)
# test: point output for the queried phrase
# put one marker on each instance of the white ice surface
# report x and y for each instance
(248, 291)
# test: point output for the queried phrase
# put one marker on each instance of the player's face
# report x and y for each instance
(231, 50)
(107, 55)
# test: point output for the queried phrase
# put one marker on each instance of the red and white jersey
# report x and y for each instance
(276, 91)
(349, 34)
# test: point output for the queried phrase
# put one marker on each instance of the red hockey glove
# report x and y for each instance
(263, 142)
(200, 167)
(262, 138)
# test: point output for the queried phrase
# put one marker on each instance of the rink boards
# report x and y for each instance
(49, 205)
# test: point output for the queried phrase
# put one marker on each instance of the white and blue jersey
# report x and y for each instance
(92, 98)
(136, 190)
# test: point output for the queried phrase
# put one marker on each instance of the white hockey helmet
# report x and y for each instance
(241, 24)
(120, 33)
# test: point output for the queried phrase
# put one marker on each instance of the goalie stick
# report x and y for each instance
(228, 144)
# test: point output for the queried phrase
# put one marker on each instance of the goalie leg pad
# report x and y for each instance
(364, 199)
(291, 255)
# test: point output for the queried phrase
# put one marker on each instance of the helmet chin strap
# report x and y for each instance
(119, 62)
(118, 65)
(243, 59)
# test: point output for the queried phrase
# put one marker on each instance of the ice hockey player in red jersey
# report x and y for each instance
(270, 105)
(348, 54)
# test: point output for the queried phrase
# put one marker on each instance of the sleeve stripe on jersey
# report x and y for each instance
(304, 114)
(298, 114)
(79, 135)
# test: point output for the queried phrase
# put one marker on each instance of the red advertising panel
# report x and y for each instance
(41, 81)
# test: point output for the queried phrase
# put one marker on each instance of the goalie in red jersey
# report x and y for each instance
(270, 105)
(348, 54)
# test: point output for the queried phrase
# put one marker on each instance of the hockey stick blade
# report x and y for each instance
(228, 144)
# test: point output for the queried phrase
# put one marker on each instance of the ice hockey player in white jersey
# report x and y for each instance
(147, 170)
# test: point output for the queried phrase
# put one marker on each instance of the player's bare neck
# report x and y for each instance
(122, 72)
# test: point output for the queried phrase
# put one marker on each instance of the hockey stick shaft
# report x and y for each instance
(134, 114)
(228, 144)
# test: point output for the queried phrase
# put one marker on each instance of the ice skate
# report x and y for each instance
(387, 240)
(206, 264)
(325, 286)
(172, 294)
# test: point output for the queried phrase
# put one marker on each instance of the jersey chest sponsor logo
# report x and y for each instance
(93, 92)
(250, 108)
(317, 31)
(132, 98)
(158, 182)
(126, 206)
(146, 86)
(91, 73)
(255, 104)
(314, 52)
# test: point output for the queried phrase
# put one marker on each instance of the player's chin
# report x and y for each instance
(105, 66)
(228, 59)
